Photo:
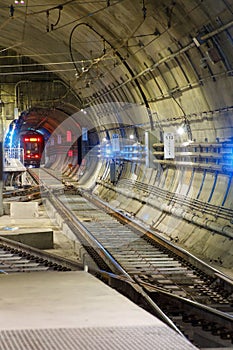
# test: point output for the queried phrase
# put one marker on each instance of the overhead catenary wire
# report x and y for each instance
(37, 72)
(53, 63)
(31, 55)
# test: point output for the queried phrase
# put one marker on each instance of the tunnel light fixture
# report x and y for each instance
(131, 137)
(185, 128)
(104, 139)
(83, 110)
(180, 130)
(19, 2)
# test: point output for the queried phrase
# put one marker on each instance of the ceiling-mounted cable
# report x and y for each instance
(36, 72)
(117, 53)
(117, 2)
(49, 63)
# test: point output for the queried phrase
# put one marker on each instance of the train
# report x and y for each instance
(32, 143)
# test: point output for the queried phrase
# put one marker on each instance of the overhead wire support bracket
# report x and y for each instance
(60, 8)
(52, 26)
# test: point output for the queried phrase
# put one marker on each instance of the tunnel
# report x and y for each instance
(145, 90)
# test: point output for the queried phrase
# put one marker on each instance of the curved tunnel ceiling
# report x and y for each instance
(41, 119)
(173, 57)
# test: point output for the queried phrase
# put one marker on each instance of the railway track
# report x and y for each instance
(16, 257)
(197, 298)
(23, 194)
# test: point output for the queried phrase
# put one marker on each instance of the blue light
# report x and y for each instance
(11, 137)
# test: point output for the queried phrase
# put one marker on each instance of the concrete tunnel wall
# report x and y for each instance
(183, 205)
(188, 205)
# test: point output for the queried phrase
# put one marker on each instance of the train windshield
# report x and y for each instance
(32, 147)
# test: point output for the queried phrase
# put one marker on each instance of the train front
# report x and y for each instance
(33, 145)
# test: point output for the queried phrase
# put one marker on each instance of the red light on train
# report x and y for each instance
(32, 139)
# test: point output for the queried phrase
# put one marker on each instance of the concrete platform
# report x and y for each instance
(13, 165)
(22, 210)
(26, 224)
(62, 245)
(74, 310)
